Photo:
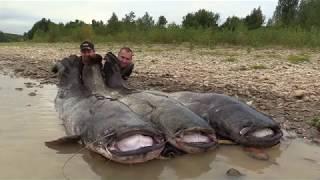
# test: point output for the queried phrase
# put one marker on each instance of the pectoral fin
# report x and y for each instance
(64, 140)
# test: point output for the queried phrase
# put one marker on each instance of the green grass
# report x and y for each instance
(258, 66)
(297, 59)
(231, 59)
(258, 56)
(315, 122)
(262, 37)
(274, 56)
(155, 50)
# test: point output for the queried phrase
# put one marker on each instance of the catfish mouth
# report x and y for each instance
(135, 146)
(260, 137)
(195, 140)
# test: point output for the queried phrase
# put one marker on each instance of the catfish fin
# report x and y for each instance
(64, 140)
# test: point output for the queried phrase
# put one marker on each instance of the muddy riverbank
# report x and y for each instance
(28, 119)
(265, 78)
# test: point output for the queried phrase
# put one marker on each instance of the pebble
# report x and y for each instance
(18, 70)
(299, 94)
(32, 94)
(233, 172)
(28, 84)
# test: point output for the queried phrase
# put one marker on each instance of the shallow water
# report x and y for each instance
(28, 121)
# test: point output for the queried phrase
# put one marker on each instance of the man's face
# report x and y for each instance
(125, 58)
(87, 53)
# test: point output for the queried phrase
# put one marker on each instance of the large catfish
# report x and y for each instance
(184, 129)
(102, 124)
(232, 119)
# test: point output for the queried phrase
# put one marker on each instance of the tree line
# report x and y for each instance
(7, 37)
(293, 22)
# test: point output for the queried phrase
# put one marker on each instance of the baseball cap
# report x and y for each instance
(86, 45)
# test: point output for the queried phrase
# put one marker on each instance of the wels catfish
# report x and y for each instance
(183, 129)
(101, 123)
(232, 119)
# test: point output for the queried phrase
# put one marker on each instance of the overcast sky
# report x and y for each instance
(18, 16)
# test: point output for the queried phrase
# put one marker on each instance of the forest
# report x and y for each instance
(295, 23)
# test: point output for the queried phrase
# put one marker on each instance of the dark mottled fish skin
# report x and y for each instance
(99, 121)
(164, 113)
(172, 118)
(231, 118)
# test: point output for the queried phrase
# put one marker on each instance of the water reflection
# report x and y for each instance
(188, 166)
(110, 170)
(192, 165)
(240, 158)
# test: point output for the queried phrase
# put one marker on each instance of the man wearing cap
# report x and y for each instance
(88, 55)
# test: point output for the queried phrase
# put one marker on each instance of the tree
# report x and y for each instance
(86, 33)
(286, 12)
(270, 22)
(162, 21)
(255, 19)
(232, 23)
(113, 24)
(98, 27)
(128, 22)
(42, 25)
(95, 23)
(7, 37)
(129, 18)
(202, 19)
(308, 13)
(2, 37)
(145, 22)
(74, 24)
(173, 26)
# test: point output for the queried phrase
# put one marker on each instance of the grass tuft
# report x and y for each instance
(230, 59)
(297, 59)
(258, 66)
(315, 122)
